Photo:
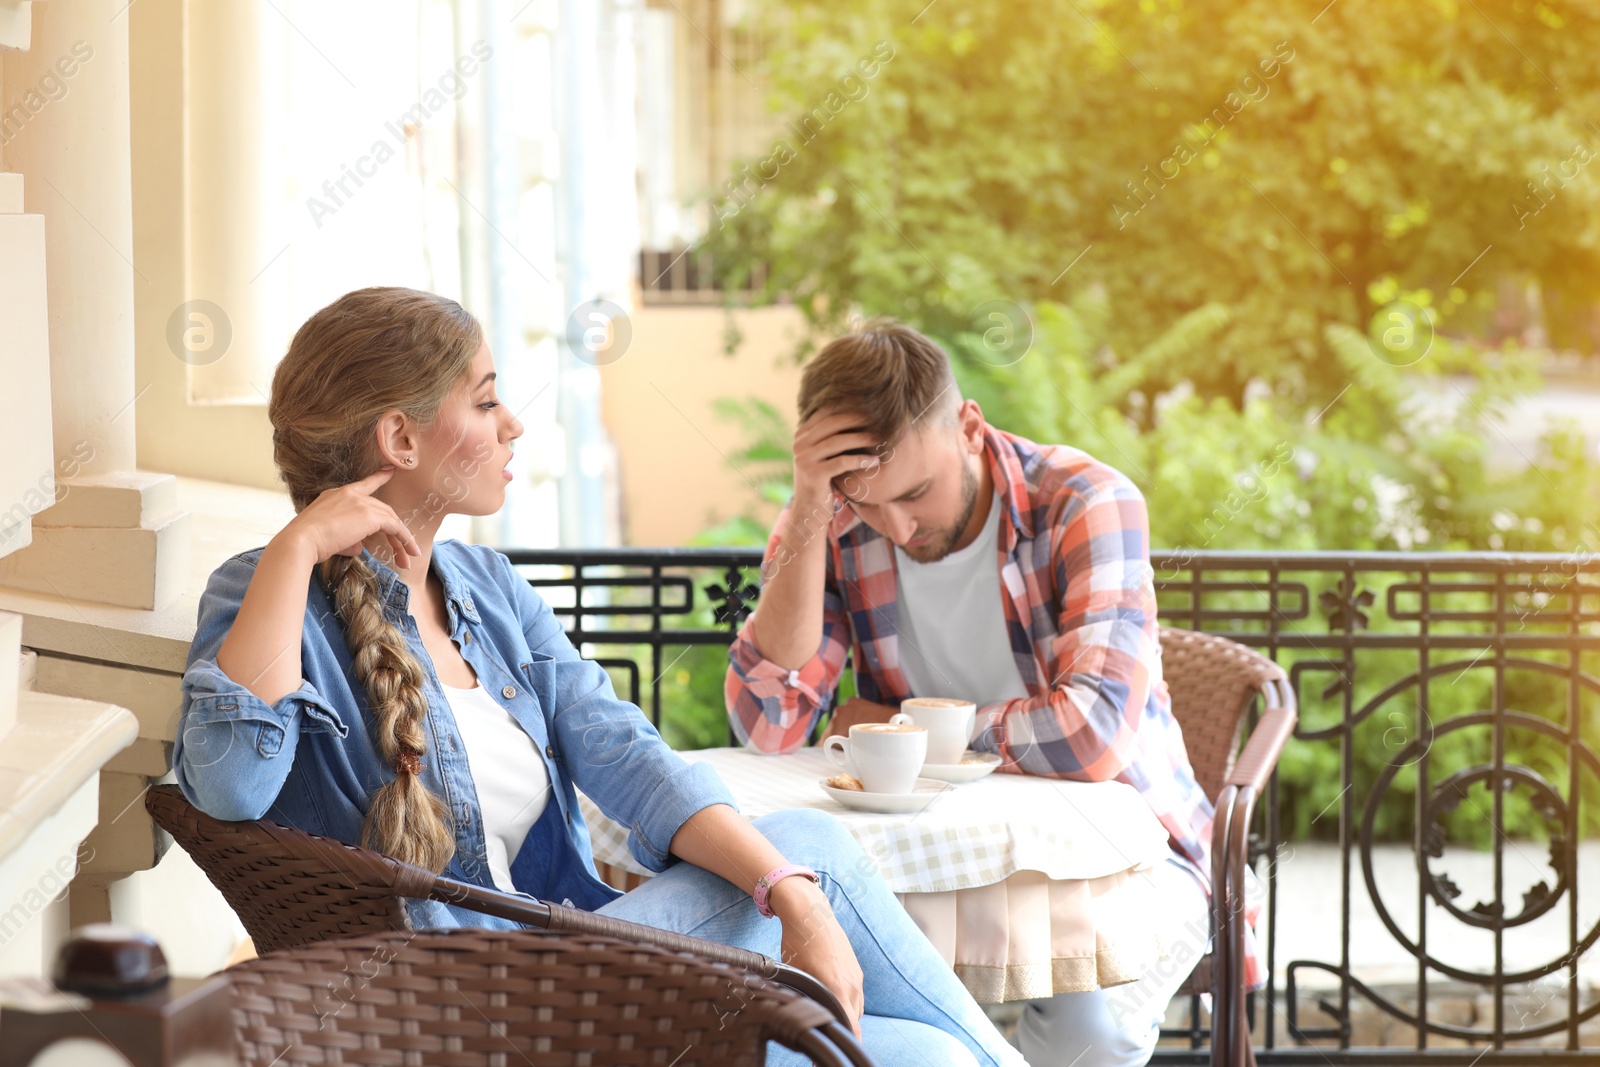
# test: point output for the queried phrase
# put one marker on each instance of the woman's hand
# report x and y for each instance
(339, 520)
(724, 842)
(814, 942)
(262, 649)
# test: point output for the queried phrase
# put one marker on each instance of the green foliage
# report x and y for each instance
(692, 691)
(765, 459)
(691, 687)
(1278, 160)
(1200, 207)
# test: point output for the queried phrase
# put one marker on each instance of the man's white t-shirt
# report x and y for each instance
(953, 640)
(509, 776)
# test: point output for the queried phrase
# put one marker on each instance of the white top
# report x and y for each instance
(953, 640)
(509, 775)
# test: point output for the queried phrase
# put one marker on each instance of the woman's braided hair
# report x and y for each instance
(372, 351)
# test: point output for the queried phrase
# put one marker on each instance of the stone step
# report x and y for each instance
(154, 697)
(144, 566)
(117, 498)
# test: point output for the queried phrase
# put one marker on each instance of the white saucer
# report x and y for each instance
(988, 763)
(925, 792)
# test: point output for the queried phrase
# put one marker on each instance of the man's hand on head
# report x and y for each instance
(855, 710)
(830, 446)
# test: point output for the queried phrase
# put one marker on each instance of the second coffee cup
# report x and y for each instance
(948, 722)
(885, 756)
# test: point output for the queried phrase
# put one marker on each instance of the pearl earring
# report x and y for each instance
(410, 460)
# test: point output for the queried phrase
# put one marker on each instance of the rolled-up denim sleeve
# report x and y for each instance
(613, 752)
(234, 750)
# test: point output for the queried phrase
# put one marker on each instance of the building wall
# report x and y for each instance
(658, 405)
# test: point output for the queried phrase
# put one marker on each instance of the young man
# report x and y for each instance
(950, 558)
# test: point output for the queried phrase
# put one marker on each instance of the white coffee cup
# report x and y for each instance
(948, 722)
(885, 756)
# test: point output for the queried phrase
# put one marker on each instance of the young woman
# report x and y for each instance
(357, 679)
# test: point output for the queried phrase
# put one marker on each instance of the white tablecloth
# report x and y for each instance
(1026, 886)
(973, 835)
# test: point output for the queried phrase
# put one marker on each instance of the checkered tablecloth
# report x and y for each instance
(974, 835)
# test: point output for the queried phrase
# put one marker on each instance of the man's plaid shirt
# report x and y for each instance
(1079, 598)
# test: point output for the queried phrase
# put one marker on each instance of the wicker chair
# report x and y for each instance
(1214, 682)
(468, 997)
(292, 889)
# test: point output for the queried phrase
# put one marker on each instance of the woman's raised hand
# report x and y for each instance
(340, 519)
(262, 649)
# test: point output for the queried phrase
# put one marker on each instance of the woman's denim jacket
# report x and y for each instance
(308, 760)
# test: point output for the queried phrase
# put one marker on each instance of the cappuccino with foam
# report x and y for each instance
(886, 756)
(948, 722)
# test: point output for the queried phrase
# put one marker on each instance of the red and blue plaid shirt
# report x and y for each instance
(1079, 598)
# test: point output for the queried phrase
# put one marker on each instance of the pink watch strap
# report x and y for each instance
(765, 883)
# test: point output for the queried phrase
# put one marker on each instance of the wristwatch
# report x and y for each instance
(765, 883)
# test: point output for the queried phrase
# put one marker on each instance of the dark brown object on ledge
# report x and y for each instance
(133, 1008)
(108, 960)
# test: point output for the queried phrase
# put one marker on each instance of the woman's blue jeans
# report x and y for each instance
(917, 1012)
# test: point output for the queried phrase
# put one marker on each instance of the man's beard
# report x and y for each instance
(942, 545)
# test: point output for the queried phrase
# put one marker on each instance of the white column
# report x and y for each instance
(115, 536)
(73, 155)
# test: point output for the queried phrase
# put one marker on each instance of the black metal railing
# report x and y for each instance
(1448, 705)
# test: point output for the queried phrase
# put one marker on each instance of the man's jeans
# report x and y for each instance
(1118, 1027)
(917, 1011)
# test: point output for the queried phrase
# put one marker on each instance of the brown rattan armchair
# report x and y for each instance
(292, 889)
(1214, 682)
(469, 996)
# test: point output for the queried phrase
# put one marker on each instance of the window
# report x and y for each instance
(323, 154)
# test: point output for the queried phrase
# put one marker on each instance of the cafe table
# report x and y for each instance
(1026, 886)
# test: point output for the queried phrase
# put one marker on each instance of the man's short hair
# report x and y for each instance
(886, 372)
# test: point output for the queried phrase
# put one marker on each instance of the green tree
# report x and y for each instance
(1284, 161)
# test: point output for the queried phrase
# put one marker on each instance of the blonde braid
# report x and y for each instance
(404, 819)
(370, 352)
